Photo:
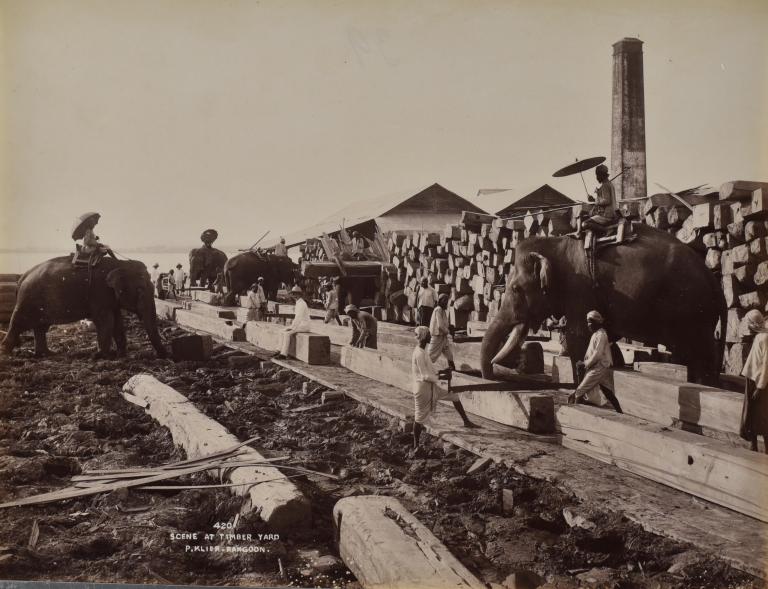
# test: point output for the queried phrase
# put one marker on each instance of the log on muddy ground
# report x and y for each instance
(385, 545)
(221, 328)
(281, 505)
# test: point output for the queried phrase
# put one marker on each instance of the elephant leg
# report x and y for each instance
(41, 343)
(104, 330)
(119, 334)
(12, 338)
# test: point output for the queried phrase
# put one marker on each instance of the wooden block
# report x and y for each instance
(731, 289)
(735, 357)
(740, 189)
(205, 296)
(721, 216)
(745, 275)
(476, 328)
(752, 300)
(312, 348)
(761, 274)
(407, 554)
(192, 347)
(716, 240)
(731, 477)
(758, 248)
(703, 215)
(759, 204)
(274, 497)
(562, 370)
(736, 215)
(733, 329)
(221, 328)
(735, 233)
(753, 230)
(740, 255)
(712, 259)
(165, 309)
(663, 370)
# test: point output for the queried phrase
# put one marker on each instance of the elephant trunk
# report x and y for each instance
(492, 351)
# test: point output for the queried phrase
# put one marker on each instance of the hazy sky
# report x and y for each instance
(169, 116)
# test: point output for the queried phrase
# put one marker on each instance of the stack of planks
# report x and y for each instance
(7, 296)
(469, 262)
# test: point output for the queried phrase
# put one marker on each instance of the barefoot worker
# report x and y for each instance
(440, 333)
(426, 388)
(754, 415)
(364, 328)
(597, 363)
(300, 323)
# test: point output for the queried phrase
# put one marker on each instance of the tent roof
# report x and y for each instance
(367, 210)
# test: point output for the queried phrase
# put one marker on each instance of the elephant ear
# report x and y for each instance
(116, 280)
(543, 268)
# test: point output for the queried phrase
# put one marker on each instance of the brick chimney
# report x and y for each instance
(628, 128)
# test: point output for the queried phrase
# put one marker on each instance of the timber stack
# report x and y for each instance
(7, 296)
(471, 261)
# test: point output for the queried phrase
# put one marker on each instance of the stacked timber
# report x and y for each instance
(7, 296)
(469, 261)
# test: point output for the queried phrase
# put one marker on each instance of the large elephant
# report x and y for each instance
(655, 290)
(205, 263)
(242, 270)
(57, 292)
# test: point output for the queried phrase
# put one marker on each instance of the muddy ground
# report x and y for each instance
(63, 414)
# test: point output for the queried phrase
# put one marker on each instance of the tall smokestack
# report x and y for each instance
(628, 129)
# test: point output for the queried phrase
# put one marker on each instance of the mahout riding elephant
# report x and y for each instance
(57, 292)
(655, 289)
(243, 269)
(205, 263)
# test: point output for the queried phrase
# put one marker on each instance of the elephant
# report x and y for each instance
(243, 269)
(655, 289)
(205, 263)
(57, 292)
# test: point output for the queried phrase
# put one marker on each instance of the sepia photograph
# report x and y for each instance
(364, 294)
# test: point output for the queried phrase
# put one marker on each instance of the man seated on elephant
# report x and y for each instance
(605, 211)
(440, 331)
(280, 249)
(364, 328)
(300, 323)
(426, 388)
(597, 363)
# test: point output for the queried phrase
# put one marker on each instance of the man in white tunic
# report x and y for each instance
(181, 278)
(439, 329)
(300, 323)
(426, 388)
(597, 362)
(754, 415)
(427, 299)
(257, 301)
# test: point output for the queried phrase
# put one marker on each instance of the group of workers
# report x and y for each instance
(176, 281)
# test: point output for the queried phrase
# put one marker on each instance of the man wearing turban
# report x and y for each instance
(426, 388)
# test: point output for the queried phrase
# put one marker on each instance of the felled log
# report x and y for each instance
(353, 268)
(740, 189)
(713, 259)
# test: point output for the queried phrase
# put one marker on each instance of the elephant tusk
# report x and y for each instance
(512, 342)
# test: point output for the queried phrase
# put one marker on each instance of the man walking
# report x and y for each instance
(426, 302)
(439, 329)
(364, 328)
(300, 323)
(597, 363)
(426, 388)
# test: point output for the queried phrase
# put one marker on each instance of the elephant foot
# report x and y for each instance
(43, 353)
(121, 353)
(104, 355)
(161, 354)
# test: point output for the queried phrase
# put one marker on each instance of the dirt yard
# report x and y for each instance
(63, 414)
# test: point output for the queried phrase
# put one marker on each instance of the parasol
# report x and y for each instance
(209, 236)
(579, 166)
(82, 222)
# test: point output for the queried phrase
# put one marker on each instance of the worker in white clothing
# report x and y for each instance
(440, 332)
(155, 276)
(426, 302)
(597, 363)
(426, 388)
(754, 416)
(300, 323)
(257, 302)
(181, 278)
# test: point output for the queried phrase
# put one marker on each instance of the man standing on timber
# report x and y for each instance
(300, 323)
(597, 363)
(426, 388)
(427, 300)
(754, 414)
(181, 278)
(439, 329)
(155, 275)
(257, 301)
(364, 328)
(332, 303)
